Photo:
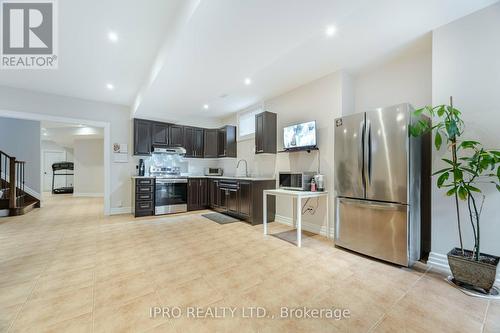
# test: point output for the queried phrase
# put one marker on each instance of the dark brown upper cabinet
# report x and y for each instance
(142, 137)
(211, 140)
(188, 141)
(199, 142)
(160, 134)
(193, 141)
(265, 133)
(176, 136)
(226, 141)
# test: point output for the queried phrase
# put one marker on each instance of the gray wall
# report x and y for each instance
(21, 139)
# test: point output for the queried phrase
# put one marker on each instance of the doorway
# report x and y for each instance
(50, 157)
(72, 159)
(104, 126)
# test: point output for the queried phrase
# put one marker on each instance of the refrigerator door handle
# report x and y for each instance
(369, 152)
(373, 204)
(361, 152)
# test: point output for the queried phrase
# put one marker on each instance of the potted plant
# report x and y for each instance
(469, 167)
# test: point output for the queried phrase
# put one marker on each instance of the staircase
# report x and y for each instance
(13, 198)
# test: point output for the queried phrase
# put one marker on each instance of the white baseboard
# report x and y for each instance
(440, 262)
(27, 189)
(91, 195)
(32, 192)
(307, 226)
(120, 210)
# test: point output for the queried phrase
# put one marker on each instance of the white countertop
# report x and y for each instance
(291, 193)
(251, 178)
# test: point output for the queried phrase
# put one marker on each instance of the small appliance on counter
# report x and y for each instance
(297, 181)
(142, 168)
(214, 172)
(320, 182)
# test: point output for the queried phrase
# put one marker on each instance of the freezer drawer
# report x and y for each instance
(376, 229)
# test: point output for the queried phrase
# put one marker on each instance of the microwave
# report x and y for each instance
(298, 181)
(214, 172)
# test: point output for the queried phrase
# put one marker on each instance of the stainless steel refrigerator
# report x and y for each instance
(378, 184)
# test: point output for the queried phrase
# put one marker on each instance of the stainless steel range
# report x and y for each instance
(171, 190)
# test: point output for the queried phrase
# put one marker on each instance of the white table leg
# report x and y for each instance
(299, 222)
(328, 235)
(264, 213)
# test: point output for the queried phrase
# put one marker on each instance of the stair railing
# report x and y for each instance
(12, 180)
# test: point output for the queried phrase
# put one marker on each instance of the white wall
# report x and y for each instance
(320, 100)
(466, 65)
(403, 77)
(117, 116)
(89, 167)
(51, 145)
(21, 139)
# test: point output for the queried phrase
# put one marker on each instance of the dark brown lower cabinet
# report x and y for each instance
(197, 193)
(242, 199)
(213, 193)
(144, 196)
(232, 201)
(245, 199)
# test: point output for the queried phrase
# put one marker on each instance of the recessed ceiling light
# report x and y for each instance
(113, 36)
(248, 81)
(205, 106)
(110, 86)
(330, 30)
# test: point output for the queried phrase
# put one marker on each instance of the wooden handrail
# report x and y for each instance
(3, 153)
(12, 183)
(15, 179)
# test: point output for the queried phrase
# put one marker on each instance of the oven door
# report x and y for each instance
(171, 196)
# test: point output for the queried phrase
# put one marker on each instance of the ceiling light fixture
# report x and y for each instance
(330, 30)
(113, 36)
(205, 106)
(248, 81)
(110, 86)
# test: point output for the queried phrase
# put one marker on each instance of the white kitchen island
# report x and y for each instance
(299, 195)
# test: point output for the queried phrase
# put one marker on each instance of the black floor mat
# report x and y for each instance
(220, 218)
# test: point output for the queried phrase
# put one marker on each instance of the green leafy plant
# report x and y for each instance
(470, 165)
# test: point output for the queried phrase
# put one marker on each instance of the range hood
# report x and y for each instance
(169, 151)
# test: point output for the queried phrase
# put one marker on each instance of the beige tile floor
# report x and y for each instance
(66, 268)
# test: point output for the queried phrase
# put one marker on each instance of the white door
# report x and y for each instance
(50, 157)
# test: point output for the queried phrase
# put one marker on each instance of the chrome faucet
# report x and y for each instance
(246, 166)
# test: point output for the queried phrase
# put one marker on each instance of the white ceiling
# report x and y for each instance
(65, 134)
(87, 59)
(174, 56)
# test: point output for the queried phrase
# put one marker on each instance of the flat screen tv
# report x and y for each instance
(300, 136)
